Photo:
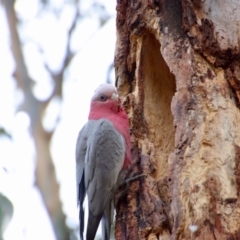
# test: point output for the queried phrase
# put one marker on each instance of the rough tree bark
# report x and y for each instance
(178, 71)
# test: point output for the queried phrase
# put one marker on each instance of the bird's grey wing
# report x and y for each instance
(105, 158)
(81, 148)
(107, 220)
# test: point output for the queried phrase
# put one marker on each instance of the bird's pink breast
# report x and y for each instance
(119, 119)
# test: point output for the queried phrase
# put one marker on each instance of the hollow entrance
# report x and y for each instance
(159, 88)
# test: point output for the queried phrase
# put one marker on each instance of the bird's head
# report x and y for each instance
(105, 101)
(105, 96)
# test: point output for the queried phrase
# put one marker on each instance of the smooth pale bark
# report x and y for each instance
(178, 71)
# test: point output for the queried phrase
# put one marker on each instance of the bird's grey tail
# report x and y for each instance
(81, 196)
(93, 223)
(107, 220)
(81, 222)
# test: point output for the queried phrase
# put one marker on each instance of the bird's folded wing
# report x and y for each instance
(104, 160)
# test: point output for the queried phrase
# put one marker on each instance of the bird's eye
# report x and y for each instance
(102, 97)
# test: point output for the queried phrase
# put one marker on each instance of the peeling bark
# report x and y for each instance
(177, 69)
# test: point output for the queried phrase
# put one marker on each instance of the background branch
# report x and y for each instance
(45, 171)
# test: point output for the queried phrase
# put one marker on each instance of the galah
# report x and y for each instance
(102, 155)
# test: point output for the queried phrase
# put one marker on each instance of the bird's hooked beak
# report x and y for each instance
(115, 98)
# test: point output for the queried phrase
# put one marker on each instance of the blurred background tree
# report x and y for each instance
(44, 44)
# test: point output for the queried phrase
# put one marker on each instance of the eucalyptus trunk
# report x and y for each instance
(178, 71)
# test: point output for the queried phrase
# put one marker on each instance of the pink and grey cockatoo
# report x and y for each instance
(102, 155)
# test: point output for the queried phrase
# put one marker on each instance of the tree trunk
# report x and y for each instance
(178, 70)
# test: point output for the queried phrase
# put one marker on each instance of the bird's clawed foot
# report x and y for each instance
(129, 180)
(125, 183)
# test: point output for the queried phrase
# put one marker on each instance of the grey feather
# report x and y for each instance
(107, 220)
(100, 154)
